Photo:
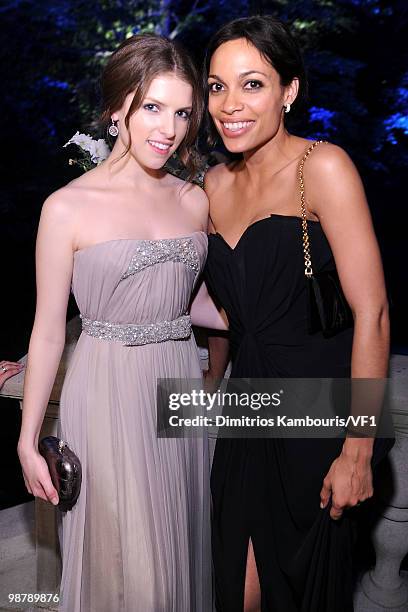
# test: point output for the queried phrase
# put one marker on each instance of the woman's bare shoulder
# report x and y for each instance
(59, 218)
(68, 201)
(332, 181)
(60, 203)
(194, 202)
(219, 177)
(328, 160)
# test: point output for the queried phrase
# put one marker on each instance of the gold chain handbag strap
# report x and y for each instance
(305, 231)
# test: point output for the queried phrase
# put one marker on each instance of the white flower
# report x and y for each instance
(82, 140)
(100, 151)
(97, 149)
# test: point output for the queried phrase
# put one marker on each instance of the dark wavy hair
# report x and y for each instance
(133, 66)
(276, 44)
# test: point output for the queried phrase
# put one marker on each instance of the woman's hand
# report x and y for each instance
(349, 480)
(211, 382)
(218, 358)
(37, 476)
(9, 369)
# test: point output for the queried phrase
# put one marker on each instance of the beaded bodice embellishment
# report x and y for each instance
(151, 252)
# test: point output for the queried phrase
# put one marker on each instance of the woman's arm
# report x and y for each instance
(218, 358)
(204, 312)
(54, 261)
(218, 345)
(336, 195)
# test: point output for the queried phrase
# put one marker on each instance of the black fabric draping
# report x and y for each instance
(268, 489)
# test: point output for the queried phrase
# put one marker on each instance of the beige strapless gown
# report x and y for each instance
(138, 538)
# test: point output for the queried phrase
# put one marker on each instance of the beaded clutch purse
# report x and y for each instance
(65, 470)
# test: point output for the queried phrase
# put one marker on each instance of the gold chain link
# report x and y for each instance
(305, 232)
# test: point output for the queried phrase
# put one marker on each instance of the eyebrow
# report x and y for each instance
(242, 74)
(162, 103)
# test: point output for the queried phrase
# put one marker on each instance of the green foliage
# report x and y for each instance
(53, 52)
(58, 51)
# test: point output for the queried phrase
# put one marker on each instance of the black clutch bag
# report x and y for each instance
(328, 309)
(65, 470)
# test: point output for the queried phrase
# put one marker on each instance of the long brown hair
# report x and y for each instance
(133, 66)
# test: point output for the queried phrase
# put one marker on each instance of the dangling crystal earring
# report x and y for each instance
(287, 108)
(113, 130)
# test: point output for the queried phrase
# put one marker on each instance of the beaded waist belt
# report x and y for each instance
(134, 335)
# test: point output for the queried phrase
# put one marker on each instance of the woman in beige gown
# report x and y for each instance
(130, 240)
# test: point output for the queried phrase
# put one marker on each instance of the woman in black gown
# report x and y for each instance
(284, 502)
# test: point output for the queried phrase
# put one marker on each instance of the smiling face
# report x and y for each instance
(246, 98)
(160, 124)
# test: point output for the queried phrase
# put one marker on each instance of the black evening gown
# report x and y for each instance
(269, 489)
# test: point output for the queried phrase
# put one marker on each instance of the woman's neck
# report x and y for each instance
(126, 171)
(268, 159)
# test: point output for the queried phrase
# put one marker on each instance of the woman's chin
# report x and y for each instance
(153, 164)
(235, 147)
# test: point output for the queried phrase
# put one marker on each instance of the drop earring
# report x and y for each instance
(113, 130)
(287, 108)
